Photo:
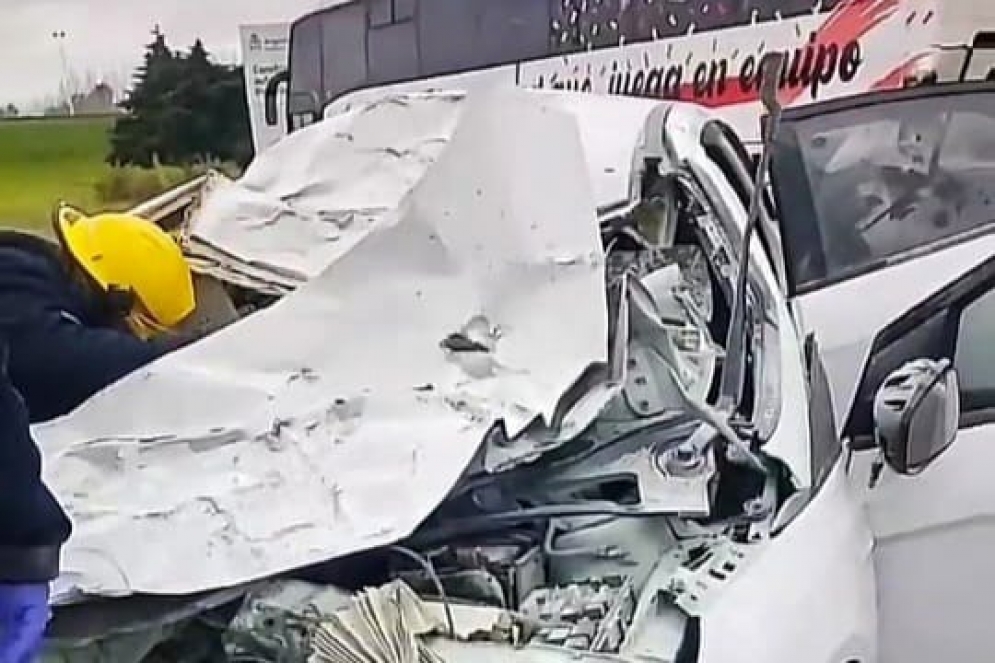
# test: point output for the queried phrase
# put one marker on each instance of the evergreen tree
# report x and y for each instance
(228, 114)
(136, 139)
(183, 108)
(191, 100)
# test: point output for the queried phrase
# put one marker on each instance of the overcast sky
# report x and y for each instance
(105, 38)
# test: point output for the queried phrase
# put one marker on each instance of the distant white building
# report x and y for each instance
(98, 101)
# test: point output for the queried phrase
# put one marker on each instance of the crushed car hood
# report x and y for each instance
(308, 199)
(337, 419)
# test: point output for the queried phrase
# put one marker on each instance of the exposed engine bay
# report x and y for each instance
(596, 541)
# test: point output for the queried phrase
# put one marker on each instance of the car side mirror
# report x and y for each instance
(916, 414)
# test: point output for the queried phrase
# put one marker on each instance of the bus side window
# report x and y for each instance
(772, 9)
(580, 24)
(980, 61)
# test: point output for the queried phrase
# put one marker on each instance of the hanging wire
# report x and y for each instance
(424, 562)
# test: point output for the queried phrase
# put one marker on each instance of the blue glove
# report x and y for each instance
(24, 614)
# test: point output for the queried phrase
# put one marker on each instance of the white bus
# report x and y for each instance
(701, 50)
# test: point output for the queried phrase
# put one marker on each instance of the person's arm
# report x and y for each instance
(33, 528)
(58, 363)
(33, 525)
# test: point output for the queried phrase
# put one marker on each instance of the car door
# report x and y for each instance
(881, 199)
(935, 533)
(921, 162)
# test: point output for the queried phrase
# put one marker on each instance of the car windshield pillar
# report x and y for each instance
(759, 364)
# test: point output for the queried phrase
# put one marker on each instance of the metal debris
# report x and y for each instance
(277, 622)
(385, 624)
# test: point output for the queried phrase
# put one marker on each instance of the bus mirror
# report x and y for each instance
(270, 97)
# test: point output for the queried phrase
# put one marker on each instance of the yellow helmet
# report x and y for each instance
(129, 254)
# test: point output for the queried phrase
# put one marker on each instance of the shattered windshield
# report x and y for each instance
(869, 183)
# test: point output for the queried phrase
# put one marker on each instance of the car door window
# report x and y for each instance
(868, 184)
(975, 361)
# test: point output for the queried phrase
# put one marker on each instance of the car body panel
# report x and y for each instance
(806, 561)
(846, 305)
(933, 530)
(931, 556)
(847, 316)
(287, 408)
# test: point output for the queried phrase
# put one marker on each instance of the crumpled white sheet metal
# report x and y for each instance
(312, 196)
(333, 422)
(309, 198)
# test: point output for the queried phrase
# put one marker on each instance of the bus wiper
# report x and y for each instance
(731, 386)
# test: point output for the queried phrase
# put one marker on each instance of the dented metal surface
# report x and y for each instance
(289, 427)
(507, 370)
(312, 197)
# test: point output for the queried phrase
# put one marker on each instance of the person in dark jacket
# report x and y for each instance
(82, 313)
(75, 316)
(33, 528)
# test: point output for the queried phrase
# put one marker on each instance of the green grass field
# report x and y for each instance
(43, 161)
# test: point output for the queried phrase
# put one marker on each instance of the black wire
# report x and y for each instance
(487, 521)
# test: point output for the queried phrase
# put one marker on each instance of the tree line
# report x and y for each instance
(183, 108)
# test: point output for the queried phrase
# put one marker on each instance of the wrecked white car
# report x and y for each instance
(475, 396)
